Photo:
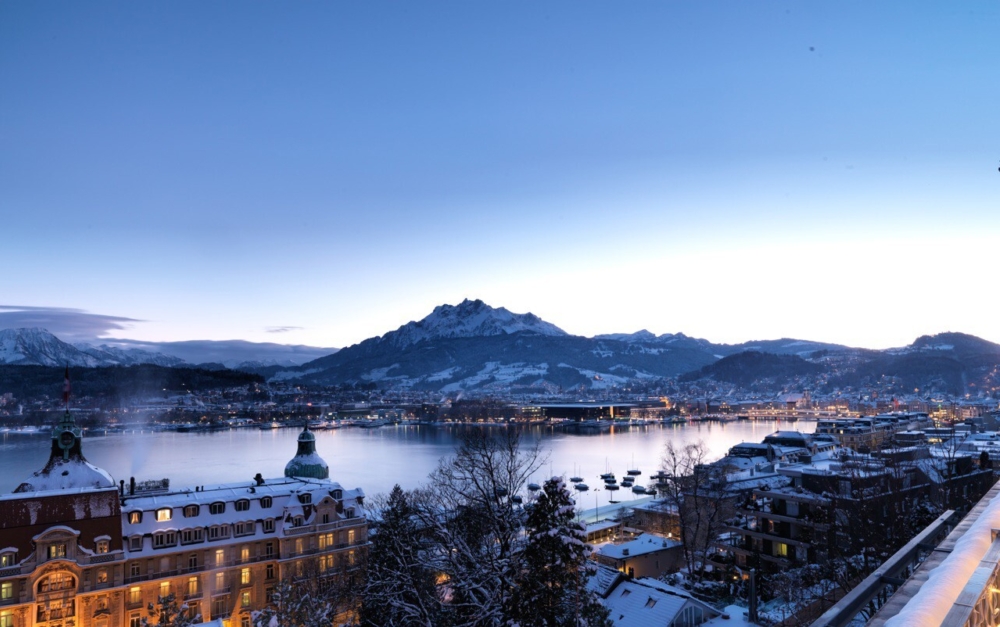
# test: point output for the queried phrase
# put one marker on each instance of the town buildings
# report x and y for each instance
(76, 550)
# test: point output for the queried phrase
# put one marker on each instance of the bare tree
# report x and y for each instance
(698, 492)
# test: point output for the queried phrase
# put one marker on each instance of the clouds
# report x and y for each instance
(68, 324)
(282, 329)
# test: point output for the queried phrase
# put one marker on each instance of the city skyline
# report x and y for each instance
(320, 174)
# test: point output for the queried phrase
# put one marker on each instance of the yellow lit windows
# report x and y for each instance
(245, 577)
(163, 515)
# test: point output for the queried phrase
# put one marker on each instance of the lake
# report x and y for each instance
(374, 459)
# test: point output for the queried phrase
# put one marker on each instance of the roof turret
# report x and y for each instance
(307, 463)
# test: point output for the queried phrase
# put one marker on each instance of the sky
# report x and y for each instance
(322, 172)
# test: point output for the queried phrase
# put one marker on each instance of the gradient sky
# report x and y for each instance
(730, 170)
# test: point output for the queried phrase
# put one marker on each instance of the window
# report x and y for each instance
(298, 522)
(164, 588)
(134, 621)
(191, 536)
(269, 549)
(219, 607)
(102, 603)
(299, 546)
(325, 541)
(242, 505)
(268, 525)
(326, 518)
(306, 498)
(57, 581)
(245, 577)
(135, 595)
(245, 620)
(265, 502)
(350, 536)
(245, 599)
(163, 515)
(192, 561)
(269, 572)
(325, 563)
(781, 549)
(192, 586)
(190, 511)
(349, 512)
(102, 575)
(220, 557)
(350, 558)
(7, 619)
(103, 546)
(7, 590)
(56, 551)
(220, 582)
(135, 543)
(337, 494)
(135, 517)
(244, 554)
(167, 538)
(218, 532)
(217, 508)
(244, 528)
(134, 569)
(8, 559)
(268, 594)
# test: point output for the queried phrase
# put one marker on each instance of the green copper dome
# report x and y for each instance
(307, 463)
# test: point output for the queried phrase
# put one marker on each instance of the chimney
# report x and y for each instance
(259, 479)
(131, 486)
(121, 488)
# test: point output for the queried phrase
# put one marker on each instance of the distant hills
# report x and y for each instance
(474, 347)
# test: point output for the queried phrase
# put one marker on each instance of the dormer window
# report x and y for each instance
(266, 501)
(306, 498)
(190, 511)
(163, 515)
(337, 494)
(349, 512)
(8, 558)
(134, 518)
(242, 505)
(217, 508)
(103, 546)
(57, 551)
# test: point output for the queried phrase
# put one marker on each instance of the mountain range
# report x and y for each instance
(478, 348)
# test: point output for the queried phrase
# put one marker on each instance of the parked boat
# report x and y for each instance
(576, 479)
(582, 487)
(638, 489)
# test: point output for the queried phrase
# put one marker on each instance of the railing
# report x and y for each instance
(978, 603)
(844, 611)
(193, 595)
(10, 571)
(317, 527)
(101, 558)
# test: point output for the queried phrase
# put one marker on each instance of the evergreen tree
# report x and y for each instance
(400, 589)
(168, 613)
(551, 589)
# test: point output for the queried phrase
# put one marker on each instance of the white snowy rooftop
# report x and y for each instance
(642, 545)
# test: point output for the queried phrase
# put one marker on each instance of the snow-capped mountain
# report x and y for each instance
(38, 347)
(470, 318)
(113, 355)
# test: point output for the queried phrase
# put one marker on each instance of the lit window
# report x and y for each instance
(163, 514)
(56, 551)
(244, 553)
(350, 536)
(164, 588)
(298, 546)
(135, 595)
(135, 517)
(102, 575)
(7, 590)
(8, 559)
(220, 557)
(103, 546)
(325, 541)
(192, 586)
(7, 619)
(220, 582)
(245, 576)
(245, 598)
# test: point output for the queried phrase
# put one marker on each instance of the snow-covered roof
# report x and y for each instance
(62, 474)
(648, 603)
(642, 545)
(603, 580)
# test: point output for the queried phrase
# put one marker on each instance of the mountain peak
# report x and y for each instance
(470, 318)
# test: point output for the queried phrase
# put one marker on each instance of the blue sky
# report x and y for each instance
(730, 170)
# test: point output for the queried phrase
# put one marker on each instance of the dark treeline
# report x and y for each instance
(111, 382)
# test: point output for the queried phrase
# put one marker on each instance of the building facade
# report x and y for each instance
(78, 551)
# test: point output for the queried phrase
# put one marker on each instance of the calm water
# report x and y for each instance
(373, 459)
